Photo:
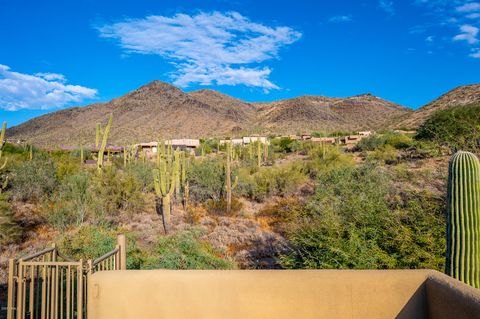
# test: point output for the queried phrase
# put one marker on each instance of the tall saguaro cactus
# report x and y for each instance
(228, 177)
(164, 181)
(101, 150)
(463, 218)
(2, 145)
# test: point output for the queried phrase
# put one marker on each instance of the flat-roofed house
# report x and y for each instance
(328, 140)
(365, 133)
(253, 139)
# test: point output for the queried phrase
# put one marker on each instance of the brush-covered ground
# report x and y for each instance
(378, 206)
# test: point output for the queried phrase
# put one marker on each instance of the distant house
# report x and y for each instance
(151, 148)
(328, 140)
(294, 137)
(306, 137)
(184, 143)
(253, 139)
(234, 141)
(351, 139)
(365, 133)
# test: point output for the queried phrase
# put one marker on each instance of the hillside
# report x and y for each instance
(159, 110)
(463, 95)
(307, 113)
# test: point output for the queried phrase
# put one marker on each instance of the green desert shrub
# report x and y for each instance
(270, 181)
(357, 219)
(185, 250)
(142, 172)
(33, 180)
(385, 153)
(115, 190)
(457, 128)
(10, 231)
(206, 180)
(94, 197)
(393, 139)
(87, 242)
(334, 159)
(90, 242)
(285, 145)
(72, 203)
(9, 148)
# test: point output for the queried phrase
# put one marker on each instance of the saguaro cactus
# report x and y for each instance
(228, 177)
(164, 181)
(4, 181)
(101, 150)
(463, 219)
(2, 145)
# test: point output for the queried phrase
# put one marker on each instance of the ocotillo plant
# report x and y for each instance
(463, 218)
(101, 150)
(164, 181)
(228, 177)
(81, 155)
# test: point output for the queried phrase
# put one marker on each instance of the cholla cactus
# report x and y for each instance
(463, 219)
(164, 177)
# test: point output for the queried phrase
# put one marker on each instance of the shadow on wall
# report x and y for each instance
(416, 306)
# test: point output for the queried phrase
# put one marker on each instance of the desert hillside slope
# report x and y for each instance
(463, 95)
(307, 113)
(159, 110)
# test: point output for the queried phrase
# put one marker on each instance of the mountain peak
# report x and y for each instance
(459, 96)
(160, 110)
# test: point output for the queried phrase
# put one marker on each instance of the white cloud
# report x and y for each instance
(52, 76)
(387, 6)
(39, 91)
(469, 7)
(473, 16)
(341, 18)
(468, 33)
(206, 48)
(430, 39)
(475, 54)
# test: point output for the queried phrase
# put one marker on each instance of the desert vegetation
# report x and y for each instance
(282, 204)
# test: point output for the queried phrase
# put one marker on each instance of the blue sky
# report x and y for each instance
(56, 54)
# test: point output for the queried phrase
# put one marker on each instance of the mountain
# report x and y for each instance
(463, 95)
(308, 113)
(159, 110)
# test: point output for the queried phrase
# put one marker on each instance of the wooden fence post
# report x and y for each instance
(122, 243)
(11, 278)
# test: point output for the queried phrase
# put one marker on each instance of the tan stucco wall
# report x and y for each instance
(250, 294)
(449, 298)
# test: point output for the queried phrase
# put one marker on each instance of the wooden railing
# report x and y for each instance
(49, 285)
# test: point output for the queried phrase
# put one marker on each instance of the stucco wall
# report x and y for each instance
(449, 298)
(257, 294)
